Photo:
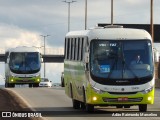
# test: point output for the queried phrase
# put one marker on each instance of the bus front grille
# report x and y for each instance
(122, 99)
(25, 80)
(122, 93)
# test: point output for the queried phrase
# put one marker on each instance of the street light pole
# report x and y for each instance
(151, 20)
(111, 12)
(85, 14)
(44, 38)
(69, 2)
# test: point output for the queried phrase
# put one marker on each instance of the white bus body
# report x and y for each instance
(115, 81)
(22, 66)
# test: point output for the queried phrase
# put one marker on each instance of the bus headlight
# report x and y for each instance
(12, 80)
(147, 90)
(149, 98)
(99, 91)
(94, 98)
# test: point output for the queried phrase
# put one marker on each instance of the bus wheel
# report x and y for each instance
(83, 106)
(76, 104)
(6, 85)
(143, 108)
(30, 85)
(35, 85)
(62, 82)
(12, 85)
(89, 108)
(9, 85)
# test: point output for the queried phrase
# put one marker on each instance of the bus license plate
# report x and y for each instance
(25, 80)
(123, 99)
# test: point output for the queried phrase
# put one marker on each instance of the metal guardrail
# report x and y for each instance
(48, 51)
(51, 55)
(46, 58)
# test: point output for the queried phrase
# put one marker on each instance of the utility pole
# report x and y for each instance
(151, 20)
(111, 12)
(68, 2)
(44, 38)
(85, 14)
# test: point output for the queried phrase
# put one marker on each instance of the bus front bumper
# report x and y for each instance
(25, 80)
(119, 99)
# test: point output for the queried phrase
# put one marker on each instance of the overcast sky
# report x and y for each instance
(23, 21)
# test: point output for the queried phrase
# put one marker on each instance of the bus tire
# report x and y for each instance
(9, 85)
(12, 85)
(76, 104)
(143, 108)
(89, 108)
(36, 85)
(83, 106)
(62, 83)
(30, 85)
(6, 85)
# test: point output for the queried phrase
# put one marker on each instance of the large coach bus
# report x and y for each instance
(22, 66)
(99, 68)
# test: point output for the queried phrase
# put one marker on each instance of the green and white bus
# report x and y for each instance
(98, 68)
(22, 66)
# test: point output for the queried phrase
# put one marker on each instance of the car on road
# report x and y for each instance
(45, 83)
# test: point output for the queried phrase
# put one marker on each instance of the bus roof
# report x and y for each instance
(23, 49)
(112, 33)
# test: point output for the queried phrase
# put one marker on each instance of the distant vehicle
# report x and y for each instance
(97, 69)
(23, 66)
(45, 83)
(62, 79)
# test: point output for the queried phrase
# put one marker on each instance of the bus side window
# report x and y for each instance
(82, 46)
(75, 48)
(80, 43)
(72, 58)
(78, 48)
(70, 48)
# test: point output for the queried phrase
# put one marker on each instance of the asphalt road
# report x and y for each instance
(55, 105)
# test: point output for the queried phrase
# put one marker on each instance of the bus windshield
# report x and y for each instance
(121, 62)
(24, 62)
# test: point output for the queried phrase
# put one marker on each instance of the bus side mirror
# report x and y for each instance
(86, 57)
(7, 60)
(86, 61)
(41, 60)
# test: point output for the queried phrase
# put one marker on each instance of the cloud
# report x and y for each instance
(12, 36)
